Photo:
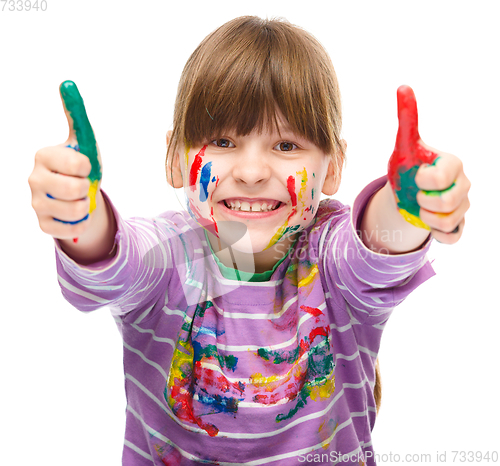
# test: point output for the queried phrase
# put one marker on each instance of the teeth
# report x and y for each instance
(245, 207)
(251, 207)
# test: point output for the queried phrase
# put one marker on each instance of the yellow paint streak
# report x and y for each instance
(258, 380)
(303, 184)
(94, 186)
(186, 156)
(277, 236)
(180, 359)
(326, 434)
(323, 391)
(305, 281)
(410, 218)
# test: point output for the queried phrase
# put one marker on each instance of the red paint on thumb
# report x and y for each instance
(408, 120)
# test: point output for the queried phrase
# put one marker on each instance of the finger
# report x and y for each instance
(408, 135)
(445, 222)
(79, 126)
(66, 188)
(62, 160)
(64, 211)
(440, 174)
(449, 238)
(445, 200)
(62, 230)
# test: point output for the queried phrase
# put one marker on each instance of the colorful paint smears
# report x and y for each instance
(197, 386)
(199, 190)
(205, 176)
(286, 229)
(195, 169)
(307, 370)
(87, 145)
(409, 154)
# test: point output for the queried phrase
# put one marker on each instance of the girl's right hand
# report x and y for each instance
(59, 187)
(65, 188)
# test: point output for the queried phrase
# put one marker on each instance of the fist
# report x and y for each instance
(66, 178)
(430, 186)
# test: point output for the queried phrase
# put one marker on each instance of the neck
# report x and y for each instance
(250, 262)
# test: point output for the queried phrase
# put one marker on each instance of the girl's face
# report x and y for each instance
(269, 183)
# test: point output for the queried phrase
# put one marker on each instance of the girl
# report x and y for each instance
(251, 323)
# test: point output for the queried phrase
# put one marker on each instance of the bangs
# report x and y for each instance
(244, 74)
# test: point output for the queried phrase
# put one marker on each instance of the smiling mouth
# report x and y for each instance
(254, 206)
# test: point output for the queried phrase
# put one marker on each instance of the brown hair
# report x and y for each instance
(246, 71)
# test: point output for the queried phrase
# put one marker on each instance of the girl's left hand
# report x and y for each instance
(443, 196)
(430, 186)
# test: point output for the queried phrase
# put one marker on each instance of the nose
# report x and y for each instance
(251, 167)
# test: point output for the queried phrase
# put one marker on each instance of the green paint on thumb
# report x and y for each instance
(83, 130)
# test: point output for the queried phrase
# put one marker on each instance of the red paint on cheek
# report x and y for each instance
(215, 223)
(216, 183)
(195, 168)
(290, 184)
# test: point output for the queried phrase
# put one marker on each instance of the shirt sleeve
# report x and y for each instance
(133, 278)
(372, 284)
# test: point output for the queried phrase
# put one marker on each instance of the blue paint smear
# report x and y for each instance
(213, 179)
(205, 180)
(72, 223)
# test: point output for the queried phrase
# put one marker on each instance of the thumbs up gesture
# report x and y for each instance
(430, 186)
(65, 180)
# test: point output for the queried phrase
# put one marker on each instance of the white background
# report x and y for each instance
(62, 397)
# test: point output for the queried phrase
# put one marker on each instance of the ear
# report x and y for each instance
(173, 166)
(334, 172)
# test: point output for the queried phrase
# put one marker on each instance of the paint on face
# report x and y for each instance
(286, 229)
(205, 180)
(303, 182)
(195, 168)
(290, 184)
(200, 178)
(187, 148)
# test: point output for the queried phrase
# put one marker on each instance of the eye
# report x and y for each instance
(285, 146)
(221, 142)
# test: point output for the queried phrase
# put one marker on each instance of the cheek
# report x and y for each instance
(200, 187)
(303, 189)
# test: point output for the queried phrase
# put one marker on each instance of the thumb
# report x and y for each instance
(408, 119)
(80, 129)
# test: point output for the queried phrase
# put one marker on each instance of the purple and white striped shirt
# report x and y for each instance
(221, 371)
